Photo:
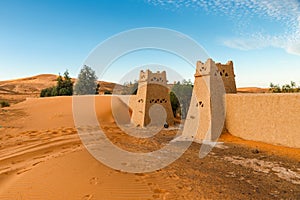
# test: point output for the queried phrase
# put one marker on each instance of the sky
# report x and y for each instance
(261, 37)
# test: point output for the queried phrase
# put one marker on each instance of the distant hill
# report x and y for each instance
(18, 90)
(24, 86)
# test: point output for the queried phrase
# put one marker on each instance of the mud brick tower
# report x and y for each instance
(207, 107)
(228, 77)
(152, 104)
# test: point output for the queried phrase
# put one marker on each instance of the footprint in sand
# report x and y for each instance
(16, 161)
(39, 157)
(34, 164)
(87, 197)
(160, 193)
(48, 151)
(140, 174)
(9, 136)
(69, 131)
(49, 131)
(30, 133)
(23, 171)
(174, 177)
(94, 181)
(54, 132)
(184, 187)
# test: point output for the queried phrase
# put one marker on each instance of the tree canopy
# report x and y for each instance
(86, 82)
(130, 88)
(180, 97)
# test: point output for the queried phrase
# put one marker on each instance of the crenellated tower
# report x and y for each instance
(207, 108)
(228, 76)
(152, 104)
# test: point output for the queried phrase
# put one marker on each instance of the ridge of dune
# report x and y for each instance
(35, 77)
(17, 90)
(252, 90)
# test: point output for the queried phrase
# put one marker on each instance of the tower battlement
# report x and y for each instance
(224, 70)
(204, 69)
(153, 77)
(227, 73)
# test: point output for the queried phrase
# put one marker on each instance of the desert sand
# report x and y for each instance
(42, 157)
(253, 90)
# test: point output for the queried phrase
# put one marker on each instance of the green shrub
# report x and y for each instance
(275, 88)
(286, 88)
(4, 104)
(107, 92)
(49, 92)
(64, 87)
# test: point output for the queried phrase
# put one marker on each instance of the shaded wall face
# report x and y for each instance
(148, 96)
(227, 73)
(158, 95)
(270, 118)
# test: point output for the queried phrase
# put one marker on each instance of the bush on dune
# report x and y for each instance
(286, 88)
(4, 104)
(64, 87)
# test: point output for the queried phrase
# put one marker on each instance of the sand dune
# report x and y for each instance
(252, 90)
(17, 90)
(42, 157)
(27, 86)
(43, 131)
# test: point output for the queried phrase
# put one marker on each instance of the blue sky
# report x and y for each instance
(261, 37)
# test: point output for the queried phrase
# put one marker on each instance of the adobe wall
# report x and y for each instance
(270, 118)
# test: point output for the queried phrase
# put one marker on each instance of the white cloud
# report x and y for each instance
(284, 13)
(244, 44)
(294, 48)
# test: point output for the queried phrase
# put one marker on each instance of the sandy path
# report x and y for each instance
(76, 176)
(41, 157)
